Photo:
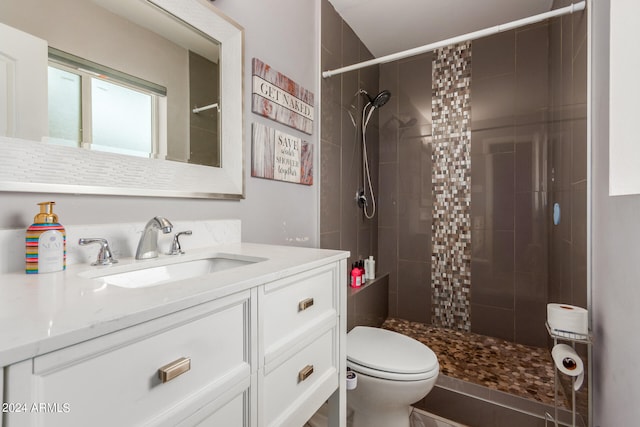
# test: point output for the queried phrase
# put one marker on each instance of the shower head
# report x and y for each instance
(379, 100)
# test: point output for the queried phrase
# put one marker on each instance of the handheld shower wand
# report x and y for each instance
(367, 111)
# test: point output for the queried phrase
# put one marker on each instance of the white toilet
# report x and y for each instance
(393, 372)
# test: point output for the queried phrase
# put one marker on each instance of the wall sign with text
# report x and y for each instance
(279, 98)
(280, 156)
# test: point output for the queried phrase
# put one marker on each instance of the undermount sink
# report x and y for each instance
(160, 274)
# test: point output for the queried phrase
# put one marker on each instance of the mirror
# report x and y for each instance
(141, 77)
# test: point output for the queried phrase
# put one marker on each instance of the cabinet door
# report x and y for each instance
(230, 410)
(293, 390)
(113, 380)
(292, 307)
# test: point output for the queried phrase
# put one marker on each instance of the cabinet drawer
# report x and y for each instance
(288, 386)
(113, 380)
(294, 305)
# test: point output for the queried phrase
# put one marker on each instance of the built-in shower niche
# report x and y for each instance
(368, 305)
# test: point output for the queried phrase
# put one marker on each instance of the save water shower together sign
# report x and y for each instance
(280, 156)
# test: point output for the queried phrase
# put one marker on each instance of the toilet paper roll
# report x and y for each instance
(567, 318)
(352, 380)
(569, 363)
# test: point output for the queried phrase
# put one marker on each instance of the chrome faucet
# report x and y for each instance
(148, 245)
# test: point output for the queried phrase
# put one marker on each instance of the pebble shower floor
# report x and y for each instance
(495, 363)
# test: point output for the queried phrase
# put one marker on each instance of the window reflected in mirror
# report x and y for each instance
(84, 105)
(131, 84)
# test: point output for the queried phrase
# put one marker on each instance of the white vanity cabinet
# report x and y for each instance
(114, 380)
(299, 345)
(268, 355)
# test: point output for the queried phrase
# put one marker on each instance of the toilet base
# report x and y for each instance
(383, 403)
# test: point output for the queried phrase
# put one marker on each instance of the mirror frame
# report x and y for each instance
(34, 166)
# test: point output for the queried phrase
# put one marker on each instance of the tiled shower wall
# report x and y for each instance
(528, 148)
(342, 224)
(406, 196)
(510, 152)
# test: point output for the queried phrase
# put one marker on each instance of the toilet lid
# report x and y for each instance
(388, 351)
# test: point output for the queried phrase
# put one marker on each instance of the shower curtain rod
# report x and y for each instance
(575, 7)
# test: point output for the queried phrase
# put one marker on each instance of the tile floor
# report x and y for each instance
(491, 362)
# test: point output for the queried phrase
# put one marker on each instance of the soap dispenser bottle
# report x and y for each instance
(46, 242)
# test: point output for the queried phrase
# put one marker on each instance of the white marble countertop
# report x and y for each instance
(44, 312)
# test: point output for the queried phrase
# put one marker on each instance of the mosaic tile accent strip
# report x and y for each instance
(451, 179)
(517, 369)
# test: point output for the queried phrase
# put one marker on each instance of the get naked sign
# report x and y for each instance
(280, 156)
(279, 98)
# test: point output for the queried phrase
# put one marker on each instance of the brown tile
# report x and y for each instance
(414, 89)
(414, 291)
(388, 195)
(364, 243)
(331, 29)
(490, 141)
(493, 321)
(372, 303)
(503, 252)
(555, 62)
(579, 151)
(492, 181)
(579, 25)
(567, 59)
(350, 46)
(494, 55)
(414, 229)
(531, 241)
(330, 240)
(530, 309)
(501, 187)
(561, 156)
(493, 102)
(388, 114)
(489, 287)
(531, 161)
(580, 75)
(532, 70)
(330, 201)
(410, 172)
(579, 245)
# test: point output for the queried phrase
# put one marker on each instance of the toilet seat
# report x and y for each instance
(389, 355)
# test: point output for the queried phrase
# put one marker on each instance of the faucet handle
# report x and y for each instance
(176, 249)
(105, 257)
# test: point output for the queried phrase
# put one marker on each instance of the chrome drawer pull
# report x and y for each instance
(305, 373)
(174, 369)
(304, 304)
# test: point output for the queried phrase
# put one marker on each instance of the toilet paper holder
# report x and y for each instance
(568, 336)
(559, 335)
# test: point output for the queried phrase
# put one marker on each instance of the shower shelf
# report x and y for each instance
(559, 335)
(568, 336)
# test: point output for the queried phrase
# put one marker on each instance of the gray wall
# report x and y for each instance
(273, 212)
(615, 267)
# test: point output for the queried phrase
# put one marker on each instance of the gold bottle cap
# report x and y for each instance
(46, 214)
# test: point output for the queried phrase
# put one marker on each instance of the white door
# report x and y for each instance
(23, 84)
